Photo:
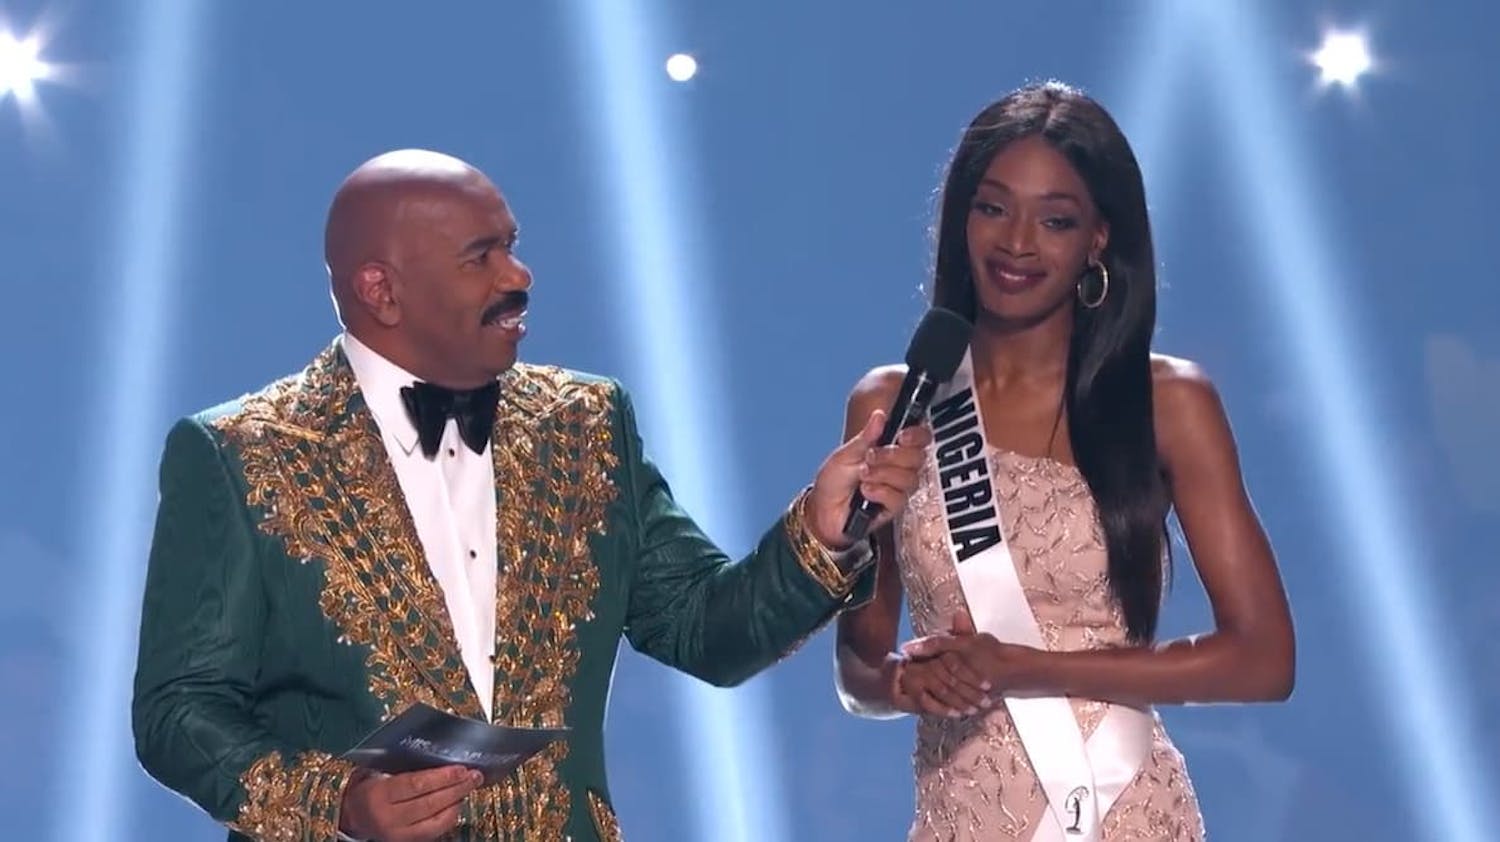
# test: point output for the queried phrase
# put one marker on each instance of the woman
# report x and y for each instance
(1035, 724)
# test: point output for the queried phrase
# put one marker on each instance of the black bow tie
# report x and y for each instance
(429, 407)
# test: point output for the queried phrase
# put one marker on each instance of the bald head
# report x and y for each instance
(386, 201)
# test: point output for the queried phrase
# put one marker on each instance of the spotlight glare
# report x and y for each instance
(19, 65)
(1343, 58)
(682, 67)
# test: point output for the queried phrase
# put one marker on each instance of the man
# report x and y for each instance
(418, 518)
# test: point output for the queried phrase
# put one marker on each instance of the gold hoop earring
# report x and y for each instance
(1103, 272)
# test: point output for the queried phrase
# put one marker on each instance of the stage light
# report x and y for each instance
(682, 67)
(20, 66)
(727, 743)
(1343, 58)
(1384, 558)
(138, 290)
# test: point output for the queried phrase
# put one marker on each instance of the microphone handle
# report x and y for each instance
(908, 411)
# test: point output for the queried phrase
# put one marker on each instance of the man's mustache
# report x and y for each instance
(511, 302)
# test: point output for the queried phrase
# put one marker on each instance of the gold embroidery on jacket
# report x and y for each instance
(292, 803)
(318, 475)
(605, 823)
(554, 452)
(319, 478)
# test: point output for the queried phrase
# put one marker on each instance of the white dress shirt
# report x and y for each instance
(452, 502)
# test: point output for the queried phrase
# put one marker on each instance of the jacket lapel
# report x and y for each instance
(379, 588)
(553, 453)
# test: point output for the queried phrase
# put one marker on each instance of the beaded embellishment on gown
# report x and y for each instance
(973, 779)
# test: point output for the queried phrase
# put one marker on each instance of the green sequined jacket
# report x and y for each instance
(289, 609)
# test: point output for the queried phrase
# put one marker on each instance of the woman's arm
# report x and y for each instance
(865, 665)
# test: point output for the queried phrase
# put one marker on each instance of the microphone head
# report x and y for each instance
(938, 345)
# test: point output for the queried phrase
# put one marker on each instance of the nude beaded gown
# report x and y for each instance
(973, 779)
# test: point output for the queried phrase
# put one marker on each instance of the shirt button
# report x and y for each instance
(452, 452)
(473, 554)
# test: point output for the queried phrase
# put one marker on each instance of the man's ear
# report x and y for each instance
(374, 289)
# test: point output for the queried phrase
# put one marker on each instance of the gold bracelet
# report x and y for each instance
(816, 559)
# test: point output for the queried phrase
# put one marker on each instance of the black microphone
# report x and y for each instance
(936, 350)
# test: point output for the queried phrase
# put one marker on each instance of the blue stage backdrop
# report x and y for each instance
(739, 247)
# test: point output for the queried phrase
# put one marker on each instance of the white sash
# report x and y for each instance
(1081, 780)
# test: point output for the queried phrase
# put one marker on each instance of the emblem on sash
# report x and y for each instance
(1074, 804)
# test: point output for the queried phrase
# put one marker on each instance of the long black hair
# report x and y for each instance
(1107, 396)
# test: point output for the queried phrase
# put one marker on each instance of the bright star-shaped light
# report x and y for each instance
(1343, 58)
(20, 66)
